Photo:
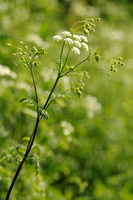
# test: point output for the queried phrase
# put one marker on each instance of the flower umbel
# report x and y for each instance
(83, 38)
(57, 38)
(77, 43)
(68, 40)
(77, 37)
(66, 33)
(85, 46)
(75, 50)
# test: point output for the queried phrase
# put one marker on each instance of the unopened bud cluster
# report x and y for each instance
(78, 89)
(114, 64)
(27, 55)
(89, 26)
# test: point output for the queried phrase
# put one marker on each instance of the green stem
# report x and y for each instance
(61, 55)
(56, 98)
(66, 59)
(56, 81)
(34, 84)
(76, 24)
(75, 67)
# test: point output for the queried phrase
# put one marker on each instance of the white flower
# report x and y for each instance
(77, 37)
(5, 71)
(67, 128)
(77, 43)
(82, 37)
(66, 34)
(92, 105)
(68, 40)
(75, 50)
(85, 46)
(57, 38)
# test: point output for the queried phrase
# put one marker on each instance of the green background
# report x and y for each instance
(94, 159)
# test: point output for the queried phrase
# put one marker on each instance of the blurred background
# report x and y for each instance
(85, 155)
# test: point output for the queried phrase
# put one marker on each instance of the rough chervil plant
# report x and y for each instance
(73, 42)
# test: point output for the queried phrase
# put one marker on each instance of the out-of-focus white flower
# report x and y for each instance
(67, 128)
(5, 71)
(37, 40)
(77, 43)
(75, 50)
(83, 38)
(57, 38)
(68, 40)
(85, 46)
(66, 33)
(92, 105)
(77, 37)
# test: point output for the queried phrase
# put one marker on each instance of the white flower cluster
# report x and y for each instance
(76, 41)
(92, 105)
(67, 128)
(5, 71)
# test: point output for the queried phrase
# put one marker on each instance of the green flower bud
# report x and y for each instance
(93, 30)
(115, 70)
(112, 67)
(26, 47)
(29, 58)
(93, 25)
(108, 74)
(92, 20)
(115, 63)
(86, 32)
(8, 44)
(20, 49)
(98, 19)
(14, 54)
(122, 63)
(120, 58)
(119, 62)
(21, 42)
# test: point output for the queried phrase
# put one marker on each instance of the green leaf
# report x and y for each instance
(32, 159)
(24, 100)
(37, 167)
(3, 154)
(36, 149)
(26, 138)
(30, 101)
(19, 146)
(43, 113)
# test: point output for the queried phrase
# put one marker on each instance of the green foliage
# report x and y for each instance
(15, 154)
(92, 160)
